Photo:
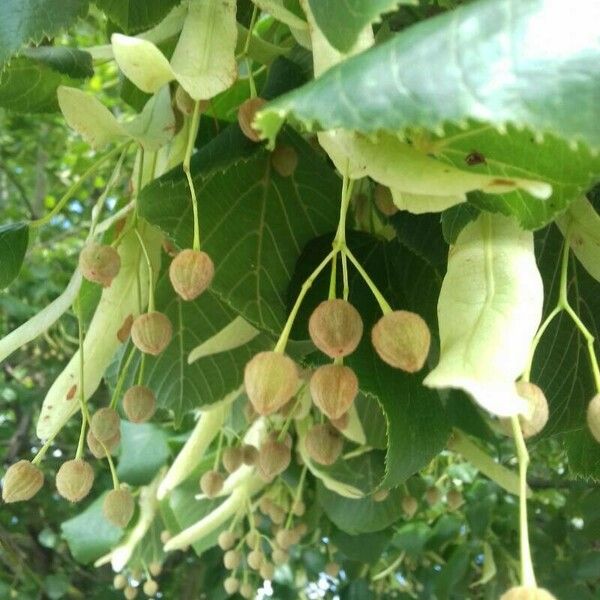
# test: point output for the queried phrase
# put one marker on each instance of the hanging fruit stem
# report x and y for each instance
(85, 417)
(122, 374)
(150, 272)
(193, 132)
(527, 573)
(111, 464)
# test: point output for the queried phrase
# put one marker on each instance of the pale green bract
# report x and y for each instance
(581, 223)
(203, 61)
(489, 309)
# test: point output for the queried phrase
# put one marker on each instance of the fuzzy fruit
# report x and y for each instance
(332, 569)
(118, 507)
(384, 201)
(226, 540)
(246, 113)
(323, 444)
(333, 389)
(152, 332)
(96, 447)
(130, 593)
(255, 559)
(150, 588)
(22, 481)
(381, 495)
(105, 424)
(231, 585)
(536, 415)
(402, 339)
(527, 593)
(211, 483)
(232, 459)
(335, 327)
(74, 479)
(454, 499)
(433, 496)
(341, 423)
(267, 570)
(279, 556)
(274, 458)
(249, 454)
(99, 263)
(247, 590)
(409, 506)
(232, 559)
(139, 404)
(284, 160)
(271, 379)
(593, 416)
(119, 582)
(191, 272)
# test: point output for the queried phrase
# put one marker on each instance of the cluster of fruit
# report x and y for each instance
(129, 584)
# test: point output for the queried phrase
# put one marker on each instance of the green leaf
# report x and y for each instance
(68, 61)
(342, 22)
(360, 516)
(518, 154)
(488, 61)
(13, 246)
(417, 427)
(28, 86)
(26, 21)
(133, 16)
(89, 535)
(453, 572)
(412, 537)
(144, 449)
(366, 547)
(455, 219)
(254, 223)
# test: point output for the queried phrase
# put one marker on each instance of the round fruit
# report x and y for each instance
(286, 538)
(593, 417)
(246, 590)
(152, 332)
(226, 540)
(271, 379)
(150, 588)
(341, 424)
(335, 327)
(211, 483)
(232, 559)
(130, 593)
(380, 495)
(384, 201)
(249, 454)
(332, 569)
(191, 272)
(99, 263)
(118, 507)
(246, 113)
(274, 458)
(255, 559)
(105, 424)
(402, 339)
(536, 415)
(279, 556)
(22, 481)
(267, 570)
(139, 404)
(333, 389)
(323, 444)
(155, 568)
(232, 459)
(231, 585)
(527, 593)
(74, 479)
(433, 496)
(119, 582)
(96, 447)
(454, 499)
(409, 506)
(284, 160)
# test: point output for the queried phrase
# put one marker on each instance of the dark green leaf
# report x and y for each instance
(365, 548)
(342, 22)
(133, 16)
(68, 61)
(26, 21)
(13, 246)
(144, 450)
(454, 220)
(89, 534)
(412, 537)
(488, 61)
(453, 572)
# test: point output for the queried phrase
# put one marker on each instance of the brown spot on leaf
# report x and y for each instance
(71, 392)
(475, 158)
(503, 182)
(125, 329)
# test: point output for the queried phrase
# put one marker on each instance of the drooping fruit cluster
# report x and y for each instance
(335, 327)
(323, 444)
(152, 332)
(191, 273)
(22, 481)
(99, 263)
(246, 113)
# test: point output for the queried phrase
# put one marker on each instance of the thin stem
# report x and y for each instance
(346, 289)
(250, 30)
(121, 379)
(111, 464)
(218, 454)
(140, 180)
(75, 187)
(589, 338)
(81, 394)
(186, 169)
(385, 307)
(285, 334)
(296, 497)
(527, 573)
(536, 340)
(150, 272)
(42, 451)
(289, 419)
(332, 278)
(390, 569)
